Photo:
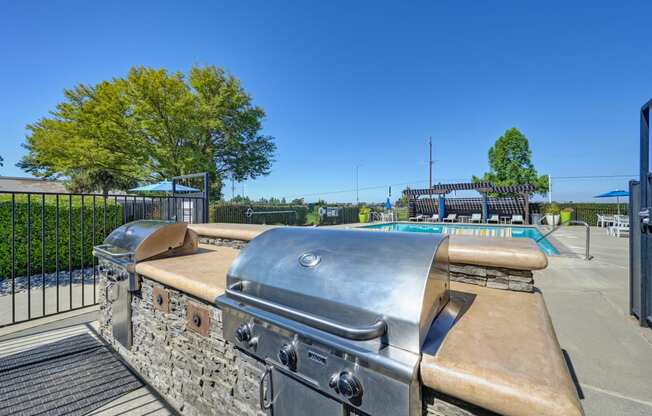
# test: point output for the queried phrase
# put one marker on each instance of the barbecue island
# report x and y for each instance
(211, 344)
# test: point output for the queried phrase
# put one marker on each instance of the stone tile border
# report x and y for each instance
(495, 278)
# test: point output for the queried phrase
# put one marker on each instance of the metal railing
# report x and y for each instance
(587, 243)
(46, 242)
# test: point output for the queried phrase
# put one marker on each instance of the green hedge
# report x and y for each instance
(586, 211)
(68, 256)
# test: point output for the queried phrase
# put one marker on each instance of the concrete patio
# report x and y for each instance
(588, 302)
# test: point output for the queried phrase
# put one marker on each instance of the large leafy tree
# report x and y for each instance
(149, 126)
(510, 163)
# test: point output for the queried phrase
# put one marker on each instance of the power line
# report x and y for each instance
(368, 188)
(357, 189)
(594, 176)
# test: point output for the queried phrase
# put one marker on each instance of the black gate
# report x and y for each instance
(192, 201)
(640, 242)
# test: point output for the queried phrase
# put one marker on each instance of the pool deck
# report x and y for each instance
(588, 302)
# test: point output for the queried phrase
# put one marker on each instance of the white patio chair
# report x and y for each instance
(601, 220)
(608, 220)
(493, 219)
(417, 218)
(476, 217)
(517, 219)
(451, 218)
(620, 227)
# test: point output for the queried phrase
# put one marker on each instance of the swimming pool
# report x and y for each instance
(471, 229)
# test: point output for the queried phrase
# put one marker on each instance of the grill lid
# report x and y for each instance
(355, 284)
(144, 239)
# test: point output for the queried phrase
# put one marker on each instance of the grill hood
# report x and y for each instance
(359, 285)
(146, 239)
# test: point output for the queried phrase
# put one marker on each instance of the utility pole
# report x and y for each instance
(357, 189)
(430, 163)
(549, 189)
(232, 187)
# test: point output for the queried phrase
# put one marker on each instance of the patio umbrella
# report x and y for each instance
(388, 204)
(163, 186)
(614, 194)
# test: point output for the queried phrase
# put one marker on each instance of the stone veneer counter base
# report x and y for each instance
(501, 355)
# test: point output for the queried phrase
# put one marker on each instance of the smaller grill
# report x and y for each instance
(122, 249)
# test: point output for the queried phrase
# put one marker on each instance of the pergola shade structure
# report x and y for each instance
(517, 203)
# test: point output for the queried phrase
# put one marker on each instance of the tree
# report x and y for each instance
(148, 126)
(510, 163)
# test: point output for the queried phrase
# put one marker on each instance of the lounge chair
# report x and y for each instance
(517, 219)
(495, 219)
(476, 217)
(451, 218)
(417, 218)
(434, 218)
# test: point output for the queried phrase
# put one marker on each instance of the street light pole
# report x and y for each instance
(549, 189)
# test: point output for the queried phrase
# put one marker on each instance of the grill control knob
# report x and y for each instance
(243, 333)
(287, 355)
(349, 386)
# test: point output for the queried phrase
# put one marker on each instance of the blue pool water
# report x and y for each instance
(471, 229)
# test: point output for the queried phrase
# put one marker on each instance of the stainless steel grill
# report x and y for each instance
(339, 317)
(122, 249)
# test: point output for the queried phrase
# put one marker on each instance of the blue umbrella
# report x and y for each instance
(614, 194)
(164, 186)
(388, 204)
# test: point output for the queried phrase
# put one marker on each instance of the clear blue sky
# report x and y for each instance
(365, 83)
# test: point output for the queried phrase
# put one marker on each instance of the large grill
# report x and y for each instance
(339, 317)
(122, 249)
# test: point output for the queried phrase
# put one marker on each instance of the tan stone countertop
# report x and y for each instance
(201, 274)
(503, 355)
(510, 253)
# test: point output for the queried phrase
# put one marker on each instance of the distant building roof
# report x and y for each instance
(15, 184)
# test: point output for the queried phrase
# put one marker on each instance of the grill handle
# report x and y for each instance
(101, 249)
(358, 333)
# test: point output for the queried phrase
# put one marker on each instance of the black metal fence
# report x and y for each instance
(46, 241)
(287, 214)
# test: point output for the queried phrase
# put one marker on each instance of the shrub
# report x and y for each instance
(552, 209)
(74, 244)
